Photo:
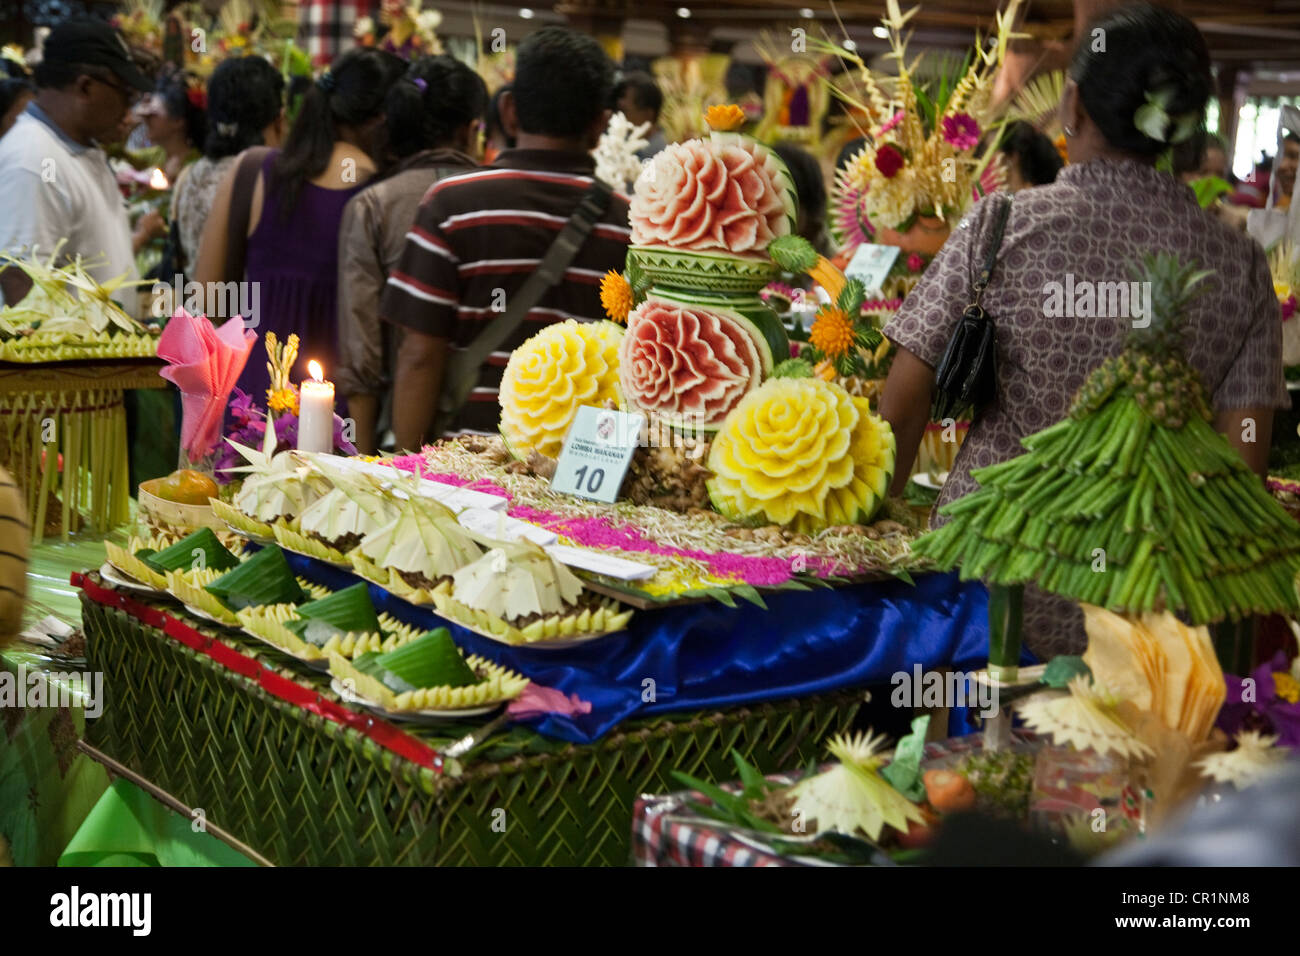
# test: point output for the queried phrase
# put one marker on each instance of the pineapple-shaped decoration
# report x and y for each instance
(1133, 502)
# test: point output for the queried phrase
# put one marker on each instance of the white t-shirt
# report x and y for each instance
(53, 188)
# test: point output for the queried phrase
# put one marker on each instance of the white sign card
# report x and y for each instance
(596, 453)
(871, 264)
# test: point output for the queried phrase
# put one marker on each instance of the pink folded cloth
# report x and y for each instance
(537, 701)
(204, 363)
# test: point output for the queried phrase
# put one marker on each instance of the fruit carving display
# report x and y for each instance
(690, 364)
(698, 337)
(1134, 502)
(729, 194)
(801, 452)
(550, 376)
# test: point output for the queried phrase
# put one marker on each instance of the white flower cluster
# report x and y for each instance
(617, 164)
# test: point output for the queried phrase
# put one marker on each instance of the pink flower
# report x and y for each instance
(915, 263)
(889, 160)
(1288, 307)
(891, 123)
(961, 131)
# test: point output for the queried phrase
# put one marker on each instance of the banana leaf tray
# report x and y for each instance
(220, 727)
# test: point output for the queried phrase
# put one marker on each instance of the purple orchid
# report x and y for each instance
(1263, 708)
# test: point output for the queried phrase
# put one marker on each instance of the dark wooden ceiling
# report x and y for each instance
(1239, 32)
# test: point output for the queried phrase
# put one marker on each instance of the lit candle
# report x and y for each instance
(316, 412)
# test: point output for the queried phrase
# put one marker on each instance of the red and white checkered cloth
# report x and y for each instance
(325, 26)
(666, 832)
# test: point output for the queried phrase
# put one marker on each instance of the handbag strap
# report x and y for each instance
(241, 210)
(1000, 218)
(462, 370)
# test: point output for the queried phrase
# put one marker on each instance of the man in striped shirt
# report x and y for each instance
(478, 236)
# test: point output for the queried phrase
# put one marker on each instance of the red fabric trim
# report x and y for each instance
(300, 695)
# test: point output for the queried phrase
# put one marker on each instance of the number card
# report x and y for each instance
(596, 453)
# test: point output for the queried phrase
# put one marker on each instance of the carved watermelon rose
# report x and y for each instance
(710, 197)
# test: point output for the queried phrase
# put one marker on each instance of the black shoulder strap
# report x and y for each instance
(462, 369)
(1000, 218)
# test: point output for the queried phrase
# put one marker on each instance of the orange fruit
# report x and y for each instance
(188, 487)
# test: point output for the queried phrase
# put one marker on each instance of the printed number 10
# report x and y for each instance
(594, 482)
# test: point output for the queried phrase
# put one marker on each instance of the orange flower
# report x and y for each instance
(1062, 148)
(832, 333)
(615, 296)
(725, 118)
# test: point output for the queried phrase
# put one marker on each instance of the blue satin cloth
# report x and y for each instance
(702, 656)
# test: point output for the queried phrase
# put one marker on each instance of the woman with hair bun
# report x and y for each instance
(176, 118)
(293, 206)
(1137, 85)
(245, 108)
(433, 117)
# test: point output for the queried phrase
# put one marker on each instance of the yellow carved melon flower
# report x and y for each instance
(725, 118)
(787, 452)
(616, 296)
(550, 376)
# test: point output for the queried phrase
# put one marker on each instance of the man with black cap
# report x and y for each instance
(55, 179)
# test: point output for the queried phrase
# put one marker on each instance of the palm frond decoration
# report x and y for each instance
(1038, 103)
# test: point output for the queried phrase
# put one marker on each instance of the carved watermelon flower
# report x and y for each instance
(685, 362)
(709, 197)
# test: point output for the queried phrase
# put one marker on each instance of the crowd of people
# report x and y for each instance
(392, 220)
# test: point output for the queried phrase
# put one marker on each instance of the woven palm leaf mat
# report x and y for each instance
(303, 790)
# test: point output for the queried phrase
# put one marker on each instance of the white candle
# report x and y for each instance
(316, 412)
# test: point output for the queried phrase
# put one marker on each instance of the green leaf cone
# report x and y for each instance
(1133, 503)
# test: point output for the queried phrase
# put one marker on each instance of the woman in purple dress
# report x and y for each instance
(295, 210)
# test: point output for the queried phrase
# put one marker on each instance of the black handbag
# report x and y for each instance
(967, 376)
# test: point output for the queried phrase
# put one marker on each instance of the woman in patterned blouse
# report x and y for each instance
(1108, 208)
